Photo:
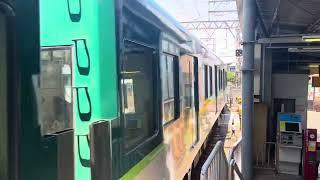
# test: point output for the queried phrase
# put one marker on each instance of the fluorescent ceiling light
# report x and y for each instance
(297, 50)
(314, 38)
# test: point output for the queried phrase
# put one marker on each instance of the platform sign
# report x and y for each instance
(289, 117)
(315, 81)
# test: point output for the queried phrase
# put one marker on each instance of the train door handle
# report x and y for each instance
(84, 162)
(84, 116)
(75, 17)
(82, 70)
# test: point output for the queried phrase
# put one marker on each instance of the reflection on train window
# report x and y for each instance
(55, 107)
(128, 95)
(187, 76)
(169, 76)
(138, 94)
(206, 86)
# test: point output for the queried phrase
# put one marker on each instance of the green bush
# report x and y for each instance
(231, 77)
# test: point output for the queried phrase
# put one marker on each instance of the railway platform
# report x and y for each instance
(280, 85)
(271, 174)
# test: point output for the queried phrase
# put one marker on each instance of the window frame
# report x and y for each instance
(176, 88)
(172, 50)
(130, 150)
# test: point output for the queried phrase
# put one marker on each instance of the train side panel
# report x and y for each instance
(88, 30)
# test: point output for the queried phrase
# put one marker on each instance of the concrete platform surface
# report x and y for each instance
(271, 175)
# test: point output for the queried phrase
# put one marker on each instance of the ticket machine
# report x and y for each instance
(289, 143)
(310, 155)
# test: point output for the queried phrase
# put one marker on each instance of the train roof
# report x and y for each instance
(189, 43)
(165, 19)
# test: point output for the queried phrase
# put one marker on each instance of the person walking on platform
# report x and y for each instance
(233, 130)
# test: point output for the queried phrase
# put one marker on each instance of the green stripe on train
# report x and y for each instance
(143, 163)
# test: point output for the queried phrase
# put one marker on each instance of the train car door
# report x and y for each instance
(4, 145)
(56, 109)
(189, 70)
(196, 94)
(216, 79)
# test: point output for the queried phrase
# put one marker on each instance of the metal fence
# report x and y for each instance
(234, 158)
(218, 167)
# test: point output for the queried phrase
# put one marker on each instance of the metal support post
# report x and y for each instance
(249, 18)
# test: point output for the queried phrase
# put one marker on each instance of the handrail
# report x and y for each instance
(233, 167)
(233, 149)
(218, 166)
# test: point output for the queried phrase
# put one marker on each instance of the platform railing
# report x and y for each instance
(233, 160)
(234, 170)
(216, 166)
(219, 167)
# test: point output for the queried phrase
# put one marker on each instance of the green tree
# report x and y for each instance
(231, 77)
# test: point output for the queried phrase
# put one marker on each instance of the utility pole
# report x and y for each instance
(249, 19)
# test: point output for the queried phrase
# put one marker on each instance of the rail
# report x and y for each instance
(233, 166)
(219, 167)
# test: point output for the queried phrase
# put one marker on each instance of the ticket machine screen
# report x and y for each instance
(292, 127)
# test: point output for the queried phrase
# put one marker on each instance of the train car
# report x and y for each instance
(19, 61)
(120, 91)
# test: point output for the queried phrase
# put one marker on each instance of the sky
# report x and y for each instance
(193, 10)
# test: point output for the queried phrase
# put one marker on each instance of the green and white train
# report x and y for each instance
(105, 89)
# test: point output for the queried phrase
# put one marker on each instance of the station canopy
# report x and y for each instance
(286, 26)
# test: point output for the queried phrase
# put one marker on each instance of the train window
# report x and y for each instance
(206, 81)
(216, 81)
(170, 48)
(224, 80)
(170, 87)
(220, 80)
(210, 83)
(219, 83)
(128, 96)
(221, 76)
(165, 46)
(56, 90)
(187, 76)
(138, 93)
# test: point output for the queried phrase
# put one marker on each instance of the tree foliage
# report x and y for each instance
(231, 77)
